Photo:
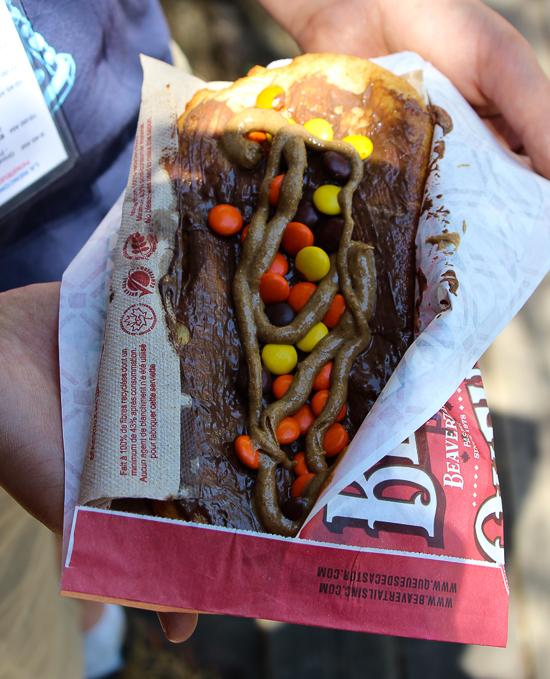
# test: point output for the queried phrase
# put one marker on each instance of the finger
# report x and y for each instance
(342, 26)
(485, 57)
(515, 151)
(488, 60)
(511, 77)
(503, 132)
(178, 627)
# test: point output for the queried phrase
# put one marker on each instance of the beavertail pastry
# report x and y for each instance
(288, 329)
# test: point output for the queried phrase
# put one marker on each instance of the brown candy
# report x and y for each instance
(293, 508)
(242, 380)
(307, 214)
(329, 234)
(337, 165)
(280, 314)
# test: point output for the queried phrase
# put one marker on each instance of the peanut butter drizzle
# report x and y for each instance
(352, 272)
(444, 240)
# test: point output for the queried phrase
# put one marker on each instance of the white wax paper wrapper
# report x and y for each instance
(499, 210)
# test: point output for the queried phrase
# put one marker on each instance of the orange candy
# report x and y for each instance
(288, 430)
(296, 237)
(318, 403)
(258, 136)
(336, 439)
(275, 189)
(299, 485)
(246, 452)
(301, 468)
(274, 288)
(305, 418)
(244, 232)
(280, 265)
(225, 220)
(280, 385)
(322, 381)
(334, 314)
(300, 294)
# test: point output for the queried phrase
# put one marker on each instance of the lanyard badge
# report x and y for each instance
(36, 146)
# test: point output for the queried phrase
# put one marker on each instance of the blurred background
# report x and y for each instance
(222, 40)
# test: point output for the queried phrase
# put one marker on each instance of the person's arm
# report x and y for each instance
(491, 64)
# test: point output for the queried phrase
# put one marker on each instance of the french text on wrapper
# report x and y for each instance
(142, 173)
(351, 584)
(138, 413)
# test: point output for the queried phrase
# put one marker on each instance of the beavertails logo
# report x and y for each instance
(138, 246)
(399, 495)
(402, 494)
(139, 282)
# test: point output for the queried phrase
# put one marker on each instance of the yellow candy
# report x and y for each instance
(269, 137)
(316, 334)
(289, 120)
(313, 263)
(326, 199)
(271, 97)
(279, 359)
(363, 145)
(320, 128)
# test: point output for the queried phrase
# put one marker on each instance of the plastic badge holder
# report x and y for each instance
(36, 145)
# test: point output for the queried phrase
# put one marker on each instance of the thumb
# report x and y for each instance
(178, 627)
(521, 91)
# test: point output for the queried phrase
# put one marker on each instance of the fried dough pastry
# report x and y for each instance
(217, 319)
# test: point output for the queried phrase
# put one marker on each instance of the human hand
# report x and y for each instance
(31, 445)
(488, 61)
